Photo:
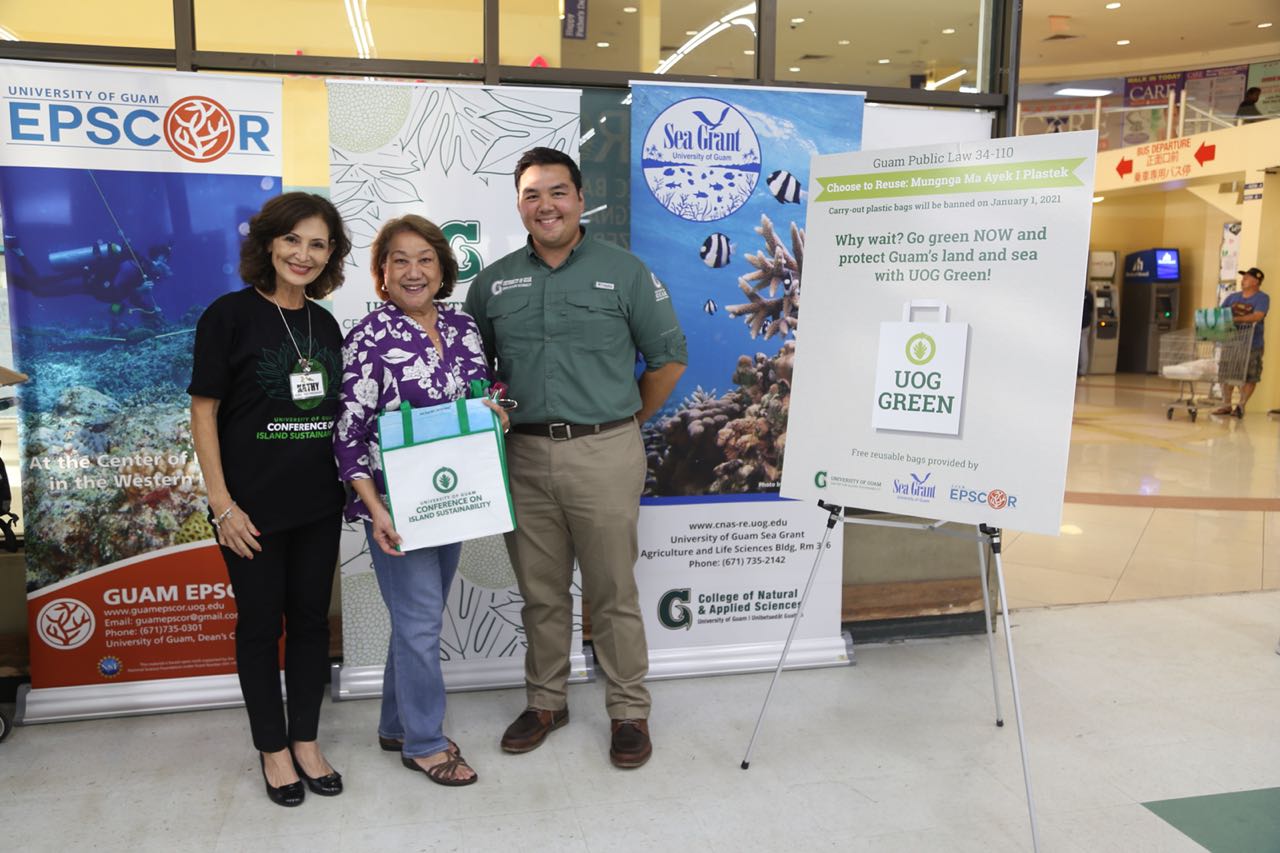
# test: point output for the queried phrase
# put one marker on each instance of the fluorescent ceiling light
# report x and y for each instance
(797, 20)
(842, 42)
(1264, 25)
(749, 52)
(969, 90)
(949, 31)
(1083, 93)
(602, 44)
(1098, 198)
(358, 20)
(630, 10)
(794, 69)
(945, 80)
(882, 61)
(1122, 42)
(1113, 6)
(736, 17)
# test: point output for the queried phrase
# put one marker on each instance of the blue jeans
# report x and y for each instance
(414, 588)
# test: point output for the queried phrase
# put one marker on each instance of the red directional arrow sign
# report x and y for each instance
(1205, 153)
(1124, 167)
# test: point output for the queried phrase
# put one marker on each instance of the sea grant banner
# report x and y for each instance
(124, 197)
(947, 281)
(719, 182)
(447, 153)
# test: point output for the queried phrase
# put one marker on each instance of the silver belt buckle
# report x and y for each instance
(551, 432)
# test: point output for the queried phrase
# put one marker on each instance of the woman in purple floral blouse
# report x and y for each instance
(418, 350)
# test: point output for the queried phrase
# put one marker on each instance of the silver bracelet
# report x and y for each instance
(217, 522)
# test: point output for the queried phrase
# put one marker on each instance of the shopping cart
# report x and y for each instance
(1187, 359)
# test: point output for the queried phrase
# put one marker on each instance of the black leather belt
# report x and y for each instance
(564, 432)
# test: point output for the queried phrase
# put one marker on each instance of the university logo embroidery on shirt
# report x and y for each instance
(659, 292)
(604, 285)
(510, 284)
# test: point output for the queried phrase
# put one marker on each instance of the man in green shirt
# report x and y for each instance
(565, 317)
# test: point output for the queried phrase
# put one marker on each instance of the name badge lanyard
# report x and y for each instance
(305, 382)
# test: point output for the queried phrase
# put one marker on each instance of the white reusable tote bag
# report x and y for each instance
(449, 483)
(920, 372)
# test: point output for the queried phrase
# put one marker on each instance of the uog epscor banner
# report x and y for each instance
(936, 375)
(124, 197)
(447, 153)
(719, 181)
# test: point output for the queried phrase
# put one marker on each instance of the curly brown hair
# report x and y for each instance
(427, 230)
(277, 218)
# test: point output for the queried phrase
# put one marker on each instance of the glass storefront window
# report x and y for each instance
(643, 36)
(440, 31)
(919, 44)
(139, 23)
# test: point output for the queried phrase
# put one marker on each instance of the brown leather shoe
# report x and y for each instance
(531, 728)
(630, 746)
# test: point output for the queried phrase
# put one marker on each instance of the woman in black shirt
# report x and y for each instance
(264, 384)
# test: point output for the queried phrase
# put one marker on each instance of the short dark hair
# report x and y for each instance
(542, 156)
(427, 230)
(277, 218)
(1253, 90)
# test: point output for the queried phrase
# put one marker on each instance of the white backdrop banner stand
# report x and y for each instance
(726, 584)
(447, 153)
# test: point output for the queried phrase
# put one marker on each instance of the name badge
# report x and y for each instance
(307, 385)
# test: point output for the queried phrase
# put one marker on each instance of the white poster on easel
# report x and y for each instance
(966, 420)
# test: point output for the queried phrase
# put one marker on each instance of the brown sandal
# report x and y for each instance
(443, 773)
(390, 744)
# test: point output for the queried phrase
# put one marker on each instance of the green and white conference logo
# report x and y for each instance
(445, 480)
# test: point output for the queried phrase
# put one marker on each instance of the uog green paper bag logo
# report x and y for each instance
(920, 373)
(921, 349)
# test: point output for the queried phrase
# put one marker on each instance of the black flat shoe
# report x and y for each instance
(286, 795)
(329, 785)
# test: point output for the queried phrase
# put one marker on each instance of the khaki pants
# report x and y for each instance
(580, 498)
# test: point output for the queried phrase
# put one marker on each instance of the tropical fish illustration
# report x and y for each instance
(716, 250)
(785, 187)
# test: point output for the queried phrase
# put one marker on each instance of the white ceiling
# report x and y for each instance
(909, 33)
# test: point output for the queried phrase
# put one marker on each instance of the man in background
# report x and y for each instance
(1249, 305)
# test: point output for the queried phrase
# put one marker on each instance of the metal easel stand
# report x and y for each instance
(989, 540)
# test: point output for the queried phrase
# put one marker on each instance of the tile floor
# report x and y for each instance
(1156, 506)
(1124, 703)
(1168, 690)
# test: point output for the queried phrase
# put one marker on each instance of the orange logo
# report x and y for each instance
(997, 499)
(199, 129)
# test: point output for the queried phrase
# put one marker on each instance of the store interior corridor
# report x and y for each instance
(1156, 505)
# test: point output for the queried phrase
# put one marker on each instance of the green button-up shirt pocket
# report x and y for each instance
(516, 323)
(597, 321)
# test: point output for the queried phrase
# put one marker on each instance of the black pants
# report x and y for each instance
(284, 588)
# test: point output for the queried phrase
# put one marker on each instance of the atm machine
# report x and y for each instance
(1104, 343)
(1149, 306)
